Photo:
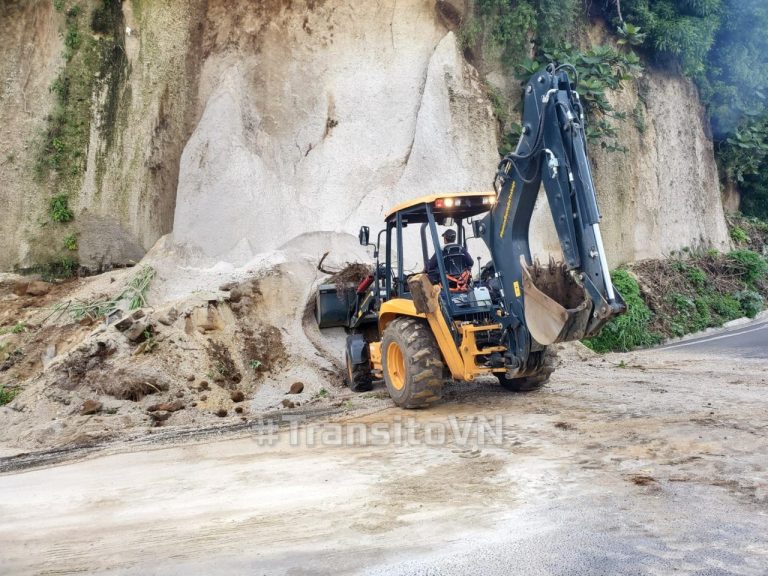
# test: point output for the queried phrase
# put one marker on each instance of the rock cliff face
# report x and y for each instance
(663, 194)
(240, 126)
(30, 56)
(367, 105)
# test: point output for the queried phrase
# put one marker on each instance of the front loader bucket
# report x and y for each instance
(557, 308)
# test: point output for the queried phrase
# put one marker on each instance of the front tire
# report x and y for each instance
(359, 378)
(531, 383)
(527, 384)
(411, 362)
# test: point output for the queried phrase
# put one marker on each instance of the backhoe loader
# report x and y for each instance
(415, 331)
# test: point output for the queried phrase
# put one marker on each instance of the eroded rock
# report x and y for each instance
(91, 407)
(38, 288)
(296, 388)
(174, 406)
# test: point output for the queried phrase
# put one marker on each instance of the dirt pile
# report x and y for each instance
(208, 359)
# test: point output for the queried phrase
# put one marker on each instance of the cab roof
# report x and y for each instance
(472, 206)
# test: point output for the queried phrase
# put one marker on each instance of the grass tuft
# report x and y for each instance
(631, 330)
(7, 394)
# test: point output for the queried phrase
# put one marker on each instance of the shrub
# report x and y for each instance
(696, 276)
(509, 26)
(693, 314)
(684, 31)
(751, 302)
(631, 330)
(7, 395)
(58, 208)
(65, 267)
(738, 235)
(750, 265)
(754, 200)
(725, 306)
(70, 242)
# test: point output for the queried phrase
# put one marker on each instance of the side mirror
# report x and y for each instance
(478, 228)
(364, 235)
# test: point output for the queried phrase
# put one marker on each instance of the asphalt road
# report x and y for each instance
(745, 341)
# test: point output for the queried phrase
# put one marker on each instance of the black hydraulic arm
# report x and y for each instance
(552, 151)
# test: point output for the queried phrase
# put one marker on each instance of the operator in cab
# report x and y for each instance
(464, 260)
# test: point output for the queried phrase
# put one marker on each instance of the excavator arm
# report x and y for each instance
(556, 302)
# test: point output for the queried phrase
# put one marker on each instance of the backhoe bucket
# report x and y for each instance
(557, 308)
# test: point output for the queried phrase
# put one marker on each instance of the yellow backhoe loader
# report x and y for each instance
(415, 329)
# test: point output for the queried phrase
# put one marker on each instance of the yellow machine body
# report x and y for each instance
(460, 359)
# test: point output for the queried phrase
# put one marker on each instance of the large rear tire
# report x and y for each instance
(411, 362)
(531, 383)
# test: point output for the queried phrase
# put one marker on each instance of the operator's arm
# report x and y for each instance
(468, 260)
(432, 263)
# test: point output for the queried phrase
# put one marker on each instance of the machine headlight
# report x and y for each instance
(447, 202)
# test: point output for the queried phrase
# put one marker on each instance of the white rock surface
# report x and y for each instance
(330, 137)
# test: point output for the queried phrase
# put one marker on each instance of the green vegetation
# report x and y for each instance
(701, 312)
(18, 328)
(135, 293)
(721, 44)
(748, 265)
(515, 28)
(94, 70)
(630, 35)
(254, 364)
(696, 276)
(548, 30)
(70, 242)
(684, 295)
(61, 268)
(7, 394)
(749, 232)
(677, 30)
(743, 157)
(751, 302)
(738, 235)
(508, 26)
(58, 208)
(633, 329)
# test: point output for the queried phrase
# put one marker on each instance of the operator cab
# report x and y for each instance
(465, 296)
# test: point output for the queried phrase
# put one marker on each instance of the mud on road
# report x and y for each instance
(641, 463)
